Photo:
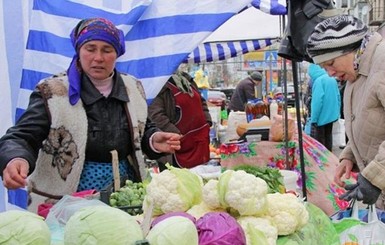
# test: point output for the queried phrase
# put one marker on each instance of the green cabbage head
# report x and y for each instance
(174, 230)
(23, 227)
(101, 225)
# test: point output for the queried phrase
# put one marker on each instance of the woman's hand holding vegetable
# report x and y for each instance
(344, 168)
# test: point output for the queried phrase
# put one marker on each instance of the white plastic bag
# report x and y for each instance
(235, 118)
(339, 132)
(372, 232)
(62, 211)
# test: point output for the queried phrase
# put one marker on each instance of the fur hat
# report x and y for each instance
(256, 76)
(334, 37)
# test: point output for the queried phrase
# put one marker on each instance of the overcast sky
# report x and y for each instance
(249, 24)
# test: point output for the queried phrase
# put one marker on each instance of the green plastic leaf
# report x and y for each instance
(346, 223)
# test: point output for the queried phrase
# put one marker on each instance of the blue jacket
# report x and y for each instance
(326, 99)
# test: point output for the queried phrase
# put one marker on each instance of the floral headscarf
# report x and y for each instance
(88, 30)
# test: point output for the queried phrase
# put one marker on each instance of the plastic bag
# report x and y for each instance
(362, 214)
(277, 129)
(372, 232)
(235, 118)
(339, 132)
(61, 212)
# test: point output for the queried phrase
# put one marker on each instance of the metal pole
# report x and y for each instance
(299, 126)
(285, 113)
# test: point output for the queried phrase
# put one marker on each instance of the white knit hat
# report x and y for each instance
(334, 37)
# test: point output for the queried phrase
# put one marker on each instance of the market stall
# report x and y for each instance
(204, 212)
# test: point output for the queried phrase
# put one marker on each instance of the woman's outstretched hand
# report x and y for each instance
(166, 142)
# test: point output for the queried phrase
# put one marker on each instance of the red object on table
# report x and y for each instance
(43, 209)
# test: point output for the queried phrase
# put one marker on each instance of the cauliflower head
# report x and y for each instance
(174, 190)
(243, 192)
(210, 194)
(287, 212)
(253, 226)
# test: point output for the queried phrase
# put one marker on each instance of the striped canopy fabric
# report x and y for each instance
(159, 35)
(215, 51)
(273, 7)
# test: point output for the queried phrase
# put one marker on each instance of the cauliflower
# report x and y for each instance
(173, 190)
(287, 212)
(243, 192)
(252, 226)
(210, 194)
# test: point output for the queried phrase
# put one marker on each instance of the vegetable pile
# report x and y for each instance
(243, 206)
(237, 208)
(260, 214)
(129, 197)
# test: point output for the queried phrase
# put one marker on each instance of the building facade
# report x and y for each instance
(371, 12)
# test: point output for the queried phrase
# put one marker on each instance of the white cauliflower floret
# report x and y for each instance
(243, 192)
(287, 212)
(162, 191)
(173, 190)
(251, 223)
(210, 194)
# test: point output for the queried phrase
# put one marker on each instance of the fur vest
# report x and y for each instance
(61, 159)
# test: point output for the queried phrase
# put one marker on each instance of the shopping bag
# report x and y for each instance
(339, 132)
(62, 211)
(372, 232)
(348, 213)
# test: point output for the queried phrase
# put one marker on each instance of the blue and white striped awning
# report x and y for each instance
(215, 51)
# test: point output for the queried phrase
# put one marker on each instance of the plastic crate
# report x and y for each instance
(106, 192)
(133, 210)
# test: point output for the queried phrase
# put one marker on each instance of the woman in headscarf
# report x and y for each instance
(345, 48)
(63, 142)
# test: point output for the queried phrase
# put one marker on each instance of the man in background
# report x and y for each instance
(244, 91)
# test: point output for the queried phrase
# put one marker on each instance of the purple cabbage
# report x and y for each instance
(219, 228)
